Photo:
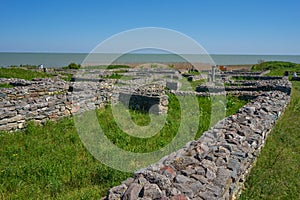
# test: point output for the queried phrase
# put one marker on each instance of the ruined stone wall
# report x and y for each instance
(47, 99)
(148, 98)
(151, 104)
(216, 165)
(257, 77)
(270, 84)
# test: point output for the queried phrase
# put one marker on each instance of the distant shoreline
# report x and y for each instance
(52, 60)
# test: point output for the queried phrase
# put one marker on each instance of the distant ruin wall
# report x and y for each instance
(264, 85)
(252, 77)
(216, 165)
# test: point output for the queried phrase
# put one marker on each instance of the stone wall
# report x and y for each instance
(47, 99)
(263, 85)
(257, 77)
(148, 98)
(151, 104)
(216, 165)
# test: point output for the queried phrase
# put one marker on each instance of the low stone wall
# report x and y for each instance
(148, 98)
(197, 77)
(242, 73)
(47, 99)
(216, 165)
(264, 85)
(173, 85)
(257, 77)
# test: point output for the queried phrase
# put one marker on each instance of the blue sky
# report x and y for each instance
(221, 27)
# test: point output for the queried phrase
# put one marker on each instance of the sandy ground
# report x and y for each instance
(186, 66)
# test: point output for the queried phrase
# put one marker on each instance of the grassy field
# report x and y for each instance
(50, 162)
(16, 72)
(276, 174)
(277, 68)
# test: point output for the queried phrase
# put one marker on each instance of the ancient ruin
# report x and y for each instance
(213, 167)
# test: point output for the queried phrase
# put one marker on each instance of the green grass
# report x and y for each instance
(6, 85)
(170, 128)
(50, 161)
(15, 72)
(67, 77)
(190, 85)
(119, 76)
(114, 76)
(24, 66)
(193, 72)
(277, 67)
(95, 67)
(107, 67)
(276, 174)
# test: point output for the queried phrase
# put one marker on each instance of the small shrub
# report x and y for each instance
(273, 65)
(114, 76)
(72, 66)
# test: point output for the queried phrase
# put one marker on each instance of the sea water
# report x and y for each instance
(63, 59)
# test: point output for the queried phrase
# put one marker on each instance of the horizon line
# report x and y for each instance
(149, 53)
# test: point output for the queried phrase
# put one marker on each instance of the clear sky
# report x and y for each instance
(221, 27)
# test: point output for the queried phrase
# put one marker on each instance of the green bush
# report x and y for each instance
(72, 66)
(273, 65)
(277, 68)
(114, 76)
